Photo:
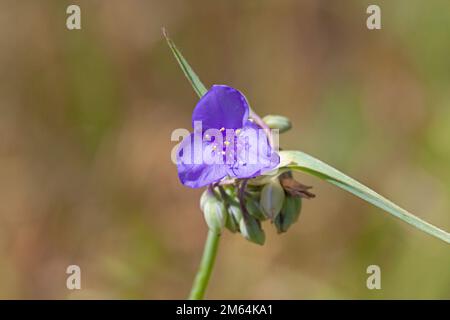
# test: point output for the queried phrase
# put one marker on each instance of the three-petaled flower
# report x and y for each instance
(225, 141)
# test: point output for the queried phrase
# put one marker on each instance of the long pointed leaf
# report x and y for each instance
(198, 86)
(297, 160)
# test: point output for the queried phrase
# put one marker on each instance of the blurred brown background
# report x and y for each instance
(85, 124)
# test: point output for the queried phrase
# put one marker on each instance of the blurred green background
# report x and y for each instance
(85, 124)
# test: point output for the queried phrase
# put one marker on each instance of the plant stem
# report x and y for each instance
(206, 265)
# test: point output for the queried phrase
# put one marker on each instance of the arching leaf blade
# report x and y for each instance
(300, 161)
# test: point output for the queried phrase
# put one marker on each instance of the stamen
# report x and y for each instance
(222, 129)
(238, 131)
(227, 143)
(214, 147)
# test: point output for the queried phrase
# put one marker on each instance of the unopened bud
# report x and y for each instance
(289, 213)
(254, 208)
(272, 198)
(281, 123)
(204, 197)
(251, 230)
(234, 217)
(214, 211)
(236, 212)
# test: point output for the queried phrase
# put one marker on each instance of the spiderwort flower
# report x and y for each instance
(225, 141)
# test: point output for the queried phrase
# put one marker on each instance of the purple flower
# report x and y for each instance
(225, 142)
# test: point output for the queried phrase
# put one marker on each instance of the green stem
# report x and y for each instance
(206, 265)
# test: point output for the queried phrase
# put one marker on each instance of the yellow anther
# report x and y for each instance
(238, 131)
(214, 147)
(222, 129)
(227, 143)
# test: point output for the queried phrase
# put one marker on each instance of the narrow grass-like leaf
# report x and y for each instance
(300, 161)
(198, 86)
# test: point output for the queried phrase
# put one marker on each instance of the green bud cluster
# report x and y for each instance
(243, 211)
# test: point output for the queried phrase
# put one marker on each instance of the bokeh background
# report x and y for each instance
(85, 124)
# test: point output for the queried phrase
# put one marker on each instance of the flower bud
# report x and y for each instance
(251, 230)
(272, 198)
(289, 213)
(234, 217)
(204, 197)
(214, 211)
(281, 123)
(236, 212)
(254, 208)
